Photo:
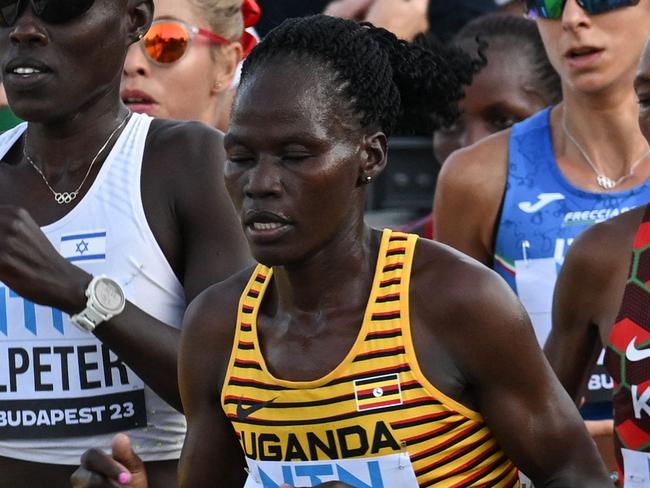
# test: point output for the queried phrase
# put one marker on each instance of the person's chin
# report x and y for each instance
(591, 82)
(274, 256)
(37, 110)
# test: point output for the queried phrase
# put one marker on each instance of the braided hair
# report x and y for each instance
(387, 83)
(501, 31)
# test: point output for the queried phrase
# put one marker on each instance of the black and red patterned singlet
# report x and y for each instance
(628, 354)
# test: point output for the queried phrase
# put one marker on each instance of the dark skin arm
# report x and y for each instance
(211, 452)
(468, 197)
(483, 353)
(529, 413)
(587, 297)
(205, 246)
(212, 455)
(191, 218)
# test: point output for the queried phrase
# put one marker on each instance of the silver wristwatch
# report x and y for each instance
(105, 301)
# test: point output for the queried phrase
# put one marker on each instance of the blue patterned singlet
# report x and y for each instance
(542, 214)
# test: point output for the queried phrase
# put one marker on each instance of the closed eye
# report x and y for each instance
(295, 157)
(240, 157)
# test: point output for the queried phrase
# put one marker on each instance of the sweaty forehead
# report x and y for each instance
(283, 93)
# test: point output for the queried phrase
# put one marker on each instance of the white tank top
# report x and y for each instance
(61, 390)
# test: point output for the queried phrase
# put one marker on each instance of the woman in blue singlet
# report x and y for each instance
(516, 200)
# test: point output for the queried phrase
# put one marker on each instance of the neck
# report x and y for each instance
(606, 129)
(339, 275)
(69, 142)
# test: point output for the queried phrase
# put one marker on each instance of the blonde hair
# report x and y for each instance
(224, 16)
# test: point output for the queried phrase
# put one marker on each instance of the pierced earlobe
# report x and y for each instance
(365, 180)
(137, 37)
(372, 157)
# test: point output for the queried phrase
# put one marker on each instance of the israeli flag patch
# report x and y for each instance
(87, 247)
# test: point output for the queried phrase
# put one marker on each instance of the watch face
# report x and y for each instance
(109, 295)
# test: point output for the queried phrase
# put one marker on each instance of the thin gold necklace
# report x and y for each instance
(66, 197)
(603, 181)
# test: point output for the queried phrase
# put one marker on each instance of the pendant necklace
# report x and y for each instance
(603, 181)
(66, 197)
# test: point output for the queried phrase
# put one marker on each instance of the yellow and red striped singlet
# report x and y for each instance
(374, 421)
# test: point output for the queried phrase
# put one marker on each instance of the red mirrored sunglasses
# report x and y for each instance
(167, 40)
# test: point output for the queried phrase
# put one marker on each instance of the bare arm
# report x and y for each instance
(532, 417)
(213, 244)
(574, 342)
(198, 233)
(468, 197)
(211, 454)
(205, 246)
(587, 297)
(33, 269)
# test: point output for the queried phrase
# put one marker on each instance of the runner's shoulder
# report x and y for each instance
(186, 130)
(480, 167)
(212, 315)
(183, 167)
(207, 339)
(184, 144)
(462, 307)
(446, 282)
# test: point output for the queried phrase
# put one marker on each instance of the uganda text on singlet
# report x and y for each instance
(628, 362)
(62, 391)
(374, 421)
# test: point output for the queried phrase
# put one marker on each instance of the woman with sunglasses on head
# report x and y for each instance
(185, 65)
(88, 189)
(516, 200)
(353, 354)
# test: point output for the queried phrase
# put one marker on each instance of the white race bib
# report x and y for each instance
(524, 481)
(535, 282)
(378, 472)
(58, 381)
(637, 469)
